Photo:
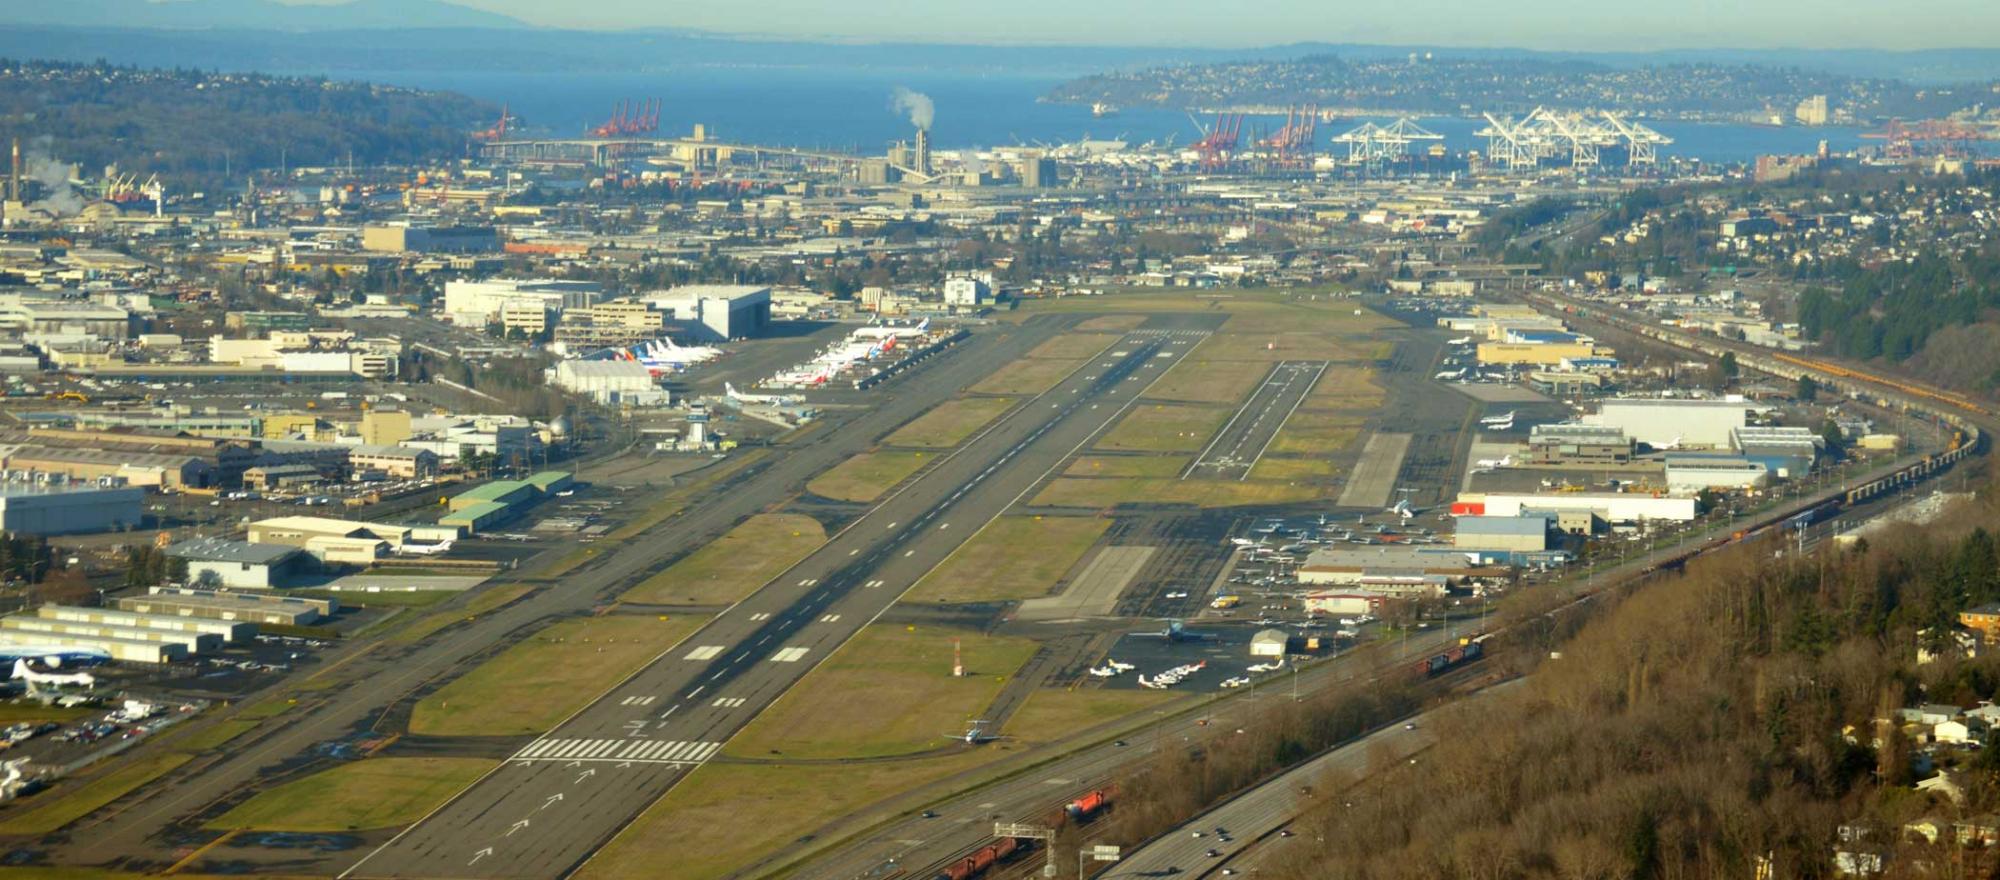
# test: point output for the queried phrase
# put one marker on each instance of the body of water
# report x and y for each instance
(851, 110)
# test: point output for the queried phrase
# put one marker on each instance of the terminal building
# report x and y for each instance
(479, 303)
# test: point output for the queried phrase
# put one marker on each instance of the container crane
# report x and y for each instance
(1218, 143)
(499, 130)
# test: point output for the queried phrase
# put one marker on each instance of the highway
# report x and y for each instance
(1251, 819)
(1243, 439)
(390, 673)
(563, 795)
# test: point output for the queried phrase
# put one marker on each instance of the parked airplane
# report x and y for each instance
(1246, 542)
(1491, 463)
(1450, 375)
(1462, 340)
(1669, 445)
(37, 680)
(53, 655)
(424, 549)
(1176, 631)
(1494, 420)
(1403, 509)
(760, 399)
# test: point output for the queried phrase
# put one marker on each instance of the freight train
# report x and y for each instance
(1079, 811)
(1458, 655)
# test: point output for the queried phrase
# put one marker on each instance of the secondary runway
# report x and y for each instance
(1243, 439)
(565, 794)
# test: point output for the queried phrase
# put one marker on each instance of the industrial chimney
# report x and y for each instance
(922, 160)
(14, 178)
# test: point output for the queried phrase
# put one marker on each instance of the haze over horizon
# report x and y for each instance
(1528, 24)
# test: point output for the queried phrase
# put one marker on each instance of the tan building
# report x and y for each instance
(384, 427)
(1983, 619)
(288, 426)
(529, 318)
(398, 462)
(1547, 355)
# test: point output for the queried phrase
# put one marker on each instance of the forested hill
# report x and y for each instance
(184, 121)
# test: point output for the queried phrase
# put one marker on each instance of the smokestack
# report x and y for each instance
(922, 160)
(14, 178)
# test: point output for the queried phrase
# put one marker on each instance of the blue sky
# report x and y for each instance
(1546, 24)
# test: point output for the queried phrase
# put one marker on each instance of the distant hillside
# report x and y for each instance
(182, 121)
(419, 35)
(255, 15)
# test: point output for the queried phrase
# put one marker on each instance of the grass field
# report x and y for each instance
(1199, 379)
(15, 712)
(428, 625)
(1102, 493)
(866, 476)
(1317, 433)
(357, 796)
(408, 599)
(669, 504)
(912, 701)
(1074, 346)
(72, 799)
(1274, 467)
(1164, 427)
(991, 566)
(543, 679)
(1049, 715)
(1345, 387)
(949, 423)
(734, 565)
(1026, 377)
(782, 803)
(1127, 466)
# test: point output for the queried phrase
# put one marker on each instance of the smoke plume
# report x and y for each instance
(58, 196)
(916, 105)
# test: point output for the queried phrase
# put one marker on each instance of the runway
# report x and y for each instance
(546, 809)
(367, 682)
(1243, 439)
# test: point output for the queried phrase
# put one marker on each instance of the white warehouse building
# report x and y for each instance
(1617, 507)
(478, 303)
(1666, 423)
(715, 312)
(609, 381)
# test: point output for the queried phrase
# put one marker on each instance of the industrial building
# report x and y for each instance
(610, 381)
(1521, 353)
(1569, 445)
(342, 541)
(478, 303)
(401, 238)
(1270, 643)
(1343, 604)
(393, 462)
(23, 627)
(63, 510)
(1787, 452)
(1614, 507)
(262, 608)
(715, 312)
(126, 650)
(1694, 471)
(1509, 534)
(1357, 567)
(1675, 423)
(482, 507)
(229, 631)
(240, 564)
(967, 291)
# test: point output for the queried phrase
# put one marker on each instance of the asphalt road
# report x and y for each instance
(554, 802)
(1243, 439)
(388, 674)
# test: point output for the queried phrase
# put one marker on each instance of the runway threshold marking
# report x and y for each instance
(789, 655)
(707, 652)
(644, 751)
